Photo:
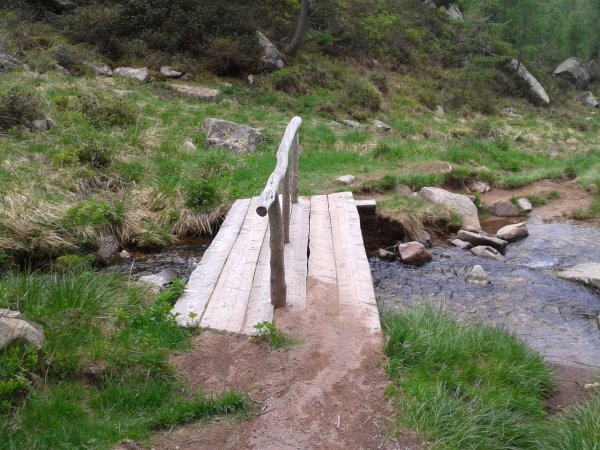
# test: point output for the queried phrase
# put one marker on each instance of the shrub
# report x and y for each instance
(201, 195)
(20, 108)
(108, 111)
(74, 263)
(359, 93)
(97, 213)
(17, 363)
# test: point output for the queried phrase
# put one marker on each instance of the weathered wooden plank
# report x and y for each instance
(204, 278)
(226, 309)
(259, 303)
(296, 254)
(321, 263)
(355, 284)
(366, 206)
(270, 192)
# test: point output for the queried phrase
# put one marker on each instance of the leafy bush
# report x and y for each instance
(97, 213)
(19, 108)
(359, 93)
(108, 111)
(74, 263)
(202, 195)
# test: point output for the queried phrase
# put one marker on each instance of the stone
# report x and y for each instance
(270, 56)
(102, 70)
(140, 74)
(124, 254)
(504, 208)
(63, 5)
(477, 239)
(108, 249)
(198, 92)
(251, 80)
(457, 203)
(62, 70)
(170, 73)
(513, 232)
(351, 123)
(524, 204)
(477, 276)
(8, 62)
(574, 70)
(161, 278)
(439, 111)
(385, 255)
(234, 137)
(39, 125)
(124, 93)
(461, 244)
(454, 13)
(589, 99)
(429, 4)
(346, 179)
(186, 77)
(422, 237)
(485, 251)
(188, 144)
(537, 92)
(404, 189)
(230, 102)
(381, 126)
(586, 273)
(479, 186)
(413, 253)
(13, 328)
(51, 123)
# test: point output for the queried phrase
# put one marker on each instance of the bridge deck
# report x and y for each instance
(230, 288)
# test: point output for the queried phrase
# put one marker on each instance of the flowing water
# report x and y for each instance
(558, 318)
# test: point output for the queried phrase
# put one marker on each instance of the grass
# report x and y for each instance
(471, 386)
(102, 375)
(269, 333)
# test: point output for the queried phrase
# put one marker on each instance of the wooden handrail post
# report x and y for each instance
(286, 207)
(295, 166)
(278, 285)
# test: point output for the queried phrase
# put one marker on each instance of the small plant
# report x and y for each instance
(361, 94)
(17, 363)
(74, 263)
(267, 331)
(201, 195)
(96, 213)
(106, 111)
(20, 109)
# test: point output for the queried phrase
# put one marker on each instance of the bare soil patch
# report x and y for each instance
(326, 392)
(570, 389)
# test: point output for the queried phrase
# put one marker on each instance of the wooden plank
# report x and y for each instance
(321, 262)
(355, 283)
(366, 206)
(204, 278)
(296, 254)
(259, 303)
(226, 309)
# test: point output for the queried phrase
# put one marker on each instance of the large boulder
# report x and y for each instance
(101, 69)
(573, 70)
(198, 92)
(482, 239)
(589, 99)
(460, 204)
(537, 92)
(141, 74)
(414, 253)
(586, 273)
(13, 328)
(7, 62)
(269, 56)
(170, 73)
(513, 232)
(454, 13)
(160, 279)
(504, 208)
(108, 249)
(234, 137)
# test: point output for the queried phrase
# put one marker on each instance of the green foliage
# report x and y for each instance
(202, 195)
(267, 331)
(361, 94)
(18, 362)
(96, 213)
(74, 263)
(20, 108)
(105, 111)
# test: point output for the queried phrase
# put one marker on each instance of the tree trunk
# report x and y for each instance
(300, 29)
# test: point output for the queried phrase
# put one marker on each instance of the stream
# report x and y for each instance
(556, 317)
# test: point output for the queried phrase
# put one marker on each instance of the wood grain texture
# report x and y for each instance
(321, 263)
(204, 278)
(226, 309)
(295, 166)
(276, 242)
(296, 254)
(270, 192)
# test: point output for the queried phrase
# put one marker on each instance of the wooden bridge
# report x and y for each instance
(256, 264)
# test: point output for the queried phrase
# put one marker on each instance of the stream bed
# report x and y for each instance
(556, 317)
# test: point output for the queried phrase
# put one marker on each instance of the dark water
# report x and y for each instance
(556, 317)
(183, 257)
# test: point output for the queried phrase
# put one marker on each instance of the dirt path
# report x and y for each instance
(327, 392)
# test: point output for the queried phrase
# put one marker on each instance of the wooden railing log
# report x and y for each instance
(278, 285)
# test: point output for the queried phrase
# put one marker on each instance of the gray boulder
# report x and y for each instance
(141, 74)
(589, 99)
(351, 123)
(453, 13)
(7, 62)
(477, 276)
(161, 278)
(13, 328)
(234, 137)
(413, 253)
(504, 208)
(537, 92)
(482, 239)
(346, 179)
(573, 70)
(381, 126)
(513, 232)
(525, 204)
(198, 92)
(461, 244)
(170, 73)
(484, 251)
(479, 186)
(108, 249)
(102, 70)
(587, 273)
(270, 56)
(385, 255)
(460, 204)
